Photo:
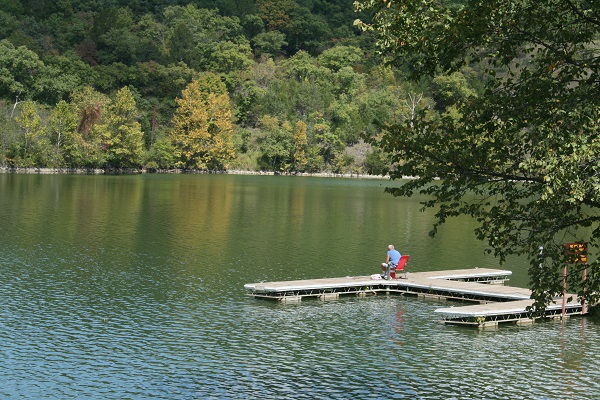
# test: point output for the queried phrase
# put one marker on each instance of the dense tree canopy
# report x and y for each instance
(292, 61)
(522, 156)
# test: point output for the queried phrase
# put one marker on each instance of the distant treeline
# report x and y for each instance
(273, 85)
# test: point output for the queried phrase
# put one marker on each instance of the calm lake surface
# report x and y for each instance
(131, 287)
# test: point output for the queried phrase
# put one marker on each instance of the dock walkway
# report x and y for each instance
(497, 302)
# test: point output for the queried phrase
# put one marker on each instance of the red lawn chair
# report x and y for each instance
(400, 268)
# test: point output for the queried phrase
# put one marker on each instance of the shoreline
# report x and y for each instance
(98, 171)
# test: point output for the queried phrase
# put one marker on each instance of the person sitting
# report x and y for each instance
(391, 261)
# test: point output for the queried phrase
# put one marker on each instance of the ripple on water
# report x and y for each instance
(110, 309)
(70, 344)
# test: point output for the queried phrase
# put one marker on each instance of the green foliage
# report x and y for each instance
(62, 126)
(253, 25)
(61, 76)
(301, 66)
(452, 89)
(269, 43)
(19, 71)
(314, 159)
(161, 155)
(118, 45)
(278, 145)
(339, 57)
(526, 149)
(346, 120)
(376, 163)
(8, 23)
(306, 31)
(330, 145)
(202, 125)
(289, 60)
(11, 6)
(199, 36)
(181, 44)
(122, 135)
(32, 149)
(84, 147)
(229, 57)
(275, 13)
(300, 140)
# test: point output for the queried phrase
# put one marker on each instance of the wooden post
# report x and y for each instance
(575, 253)
(564, 293)
(583, 305)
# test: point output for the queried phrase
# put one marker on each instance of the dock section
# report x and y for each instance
(447, 284)
(496, 302)
(492, 314)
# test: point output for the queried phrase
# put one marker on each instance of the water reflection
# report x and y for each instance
(132, 287)
(398, 325)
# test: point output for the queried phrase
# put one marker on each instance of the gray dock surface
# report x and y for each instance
(496, 302)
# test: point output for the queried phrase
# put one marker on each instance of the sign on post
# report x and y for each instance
(576, 253)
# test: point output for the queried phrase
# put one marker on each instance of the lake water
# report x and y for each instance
(131, 287)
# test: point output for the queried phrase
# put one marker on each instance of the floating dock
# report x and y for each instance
(497, 303)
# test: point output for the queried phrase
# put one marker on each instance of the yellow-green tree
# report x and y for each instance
(83, 147)
(300, 144)
(33, 150)
(62, 126)
(203, 126)
(121, 132)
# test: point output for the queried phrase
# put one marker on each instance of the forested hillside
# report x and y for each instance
(275, 85)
